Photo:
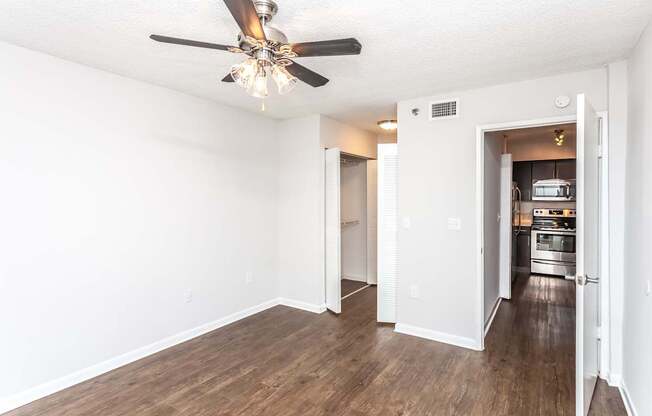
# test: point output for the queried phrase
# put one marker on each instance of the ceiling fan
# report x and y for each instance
(268, 50)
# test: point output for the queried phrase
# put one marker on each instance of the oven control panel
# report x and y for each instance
(554, 212)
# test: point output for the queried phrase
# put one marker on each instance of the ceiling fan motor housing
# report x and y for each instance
(266, 9)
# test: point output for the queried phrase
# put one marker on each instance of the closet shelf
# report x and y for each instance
(350, 222)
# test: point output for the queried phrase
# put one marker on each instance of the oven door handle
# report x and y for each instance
(552, 263)
(568, 233)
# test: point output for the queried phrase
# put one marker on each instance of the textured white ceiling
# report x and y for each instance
(410, 48)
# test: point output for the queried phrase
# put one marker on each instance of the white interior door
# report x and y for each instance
(587, 279)
(372, 222)
(387, 231)
(332, 244)
(506, 222)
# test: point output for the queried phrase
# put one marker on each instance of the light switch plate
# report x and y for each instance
(407, 222)
(414, 291)
(455, 223)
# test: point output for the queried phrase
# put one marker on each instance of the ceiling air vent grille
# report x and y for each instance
(444, 109)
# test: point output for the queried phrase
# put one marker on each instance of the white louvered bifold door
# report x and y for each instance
(333, 231)
(387, 231)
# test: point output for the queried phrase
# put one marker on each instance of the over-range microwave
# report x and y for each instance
(554, 190)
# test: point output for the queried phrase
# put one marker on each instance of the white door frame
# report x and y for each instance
(604, 225)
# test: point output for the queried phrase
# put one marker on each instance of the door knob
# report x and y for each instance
(583, 280)
(590, 279)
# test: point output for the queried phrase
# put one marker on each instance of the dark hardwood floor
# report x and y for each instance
(289, 362)
(350, 286)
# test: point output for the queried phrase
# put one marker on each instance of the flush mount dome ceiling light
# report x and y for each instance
(388, 124)
(269, 53)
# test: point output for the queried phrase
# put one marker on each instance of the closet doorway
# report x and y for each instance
(357, 224)
(351, 226)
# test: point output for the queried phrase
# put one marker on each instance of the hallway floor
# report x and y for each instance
(285, 361)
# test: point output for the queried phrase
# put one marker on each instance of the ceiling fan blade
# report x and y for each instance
(228, 78)
(187, 42)
(349, 46)
(245, 15)
(304, 74)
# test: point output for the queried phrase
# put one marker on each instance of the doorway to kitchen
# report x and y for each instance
(528, 185)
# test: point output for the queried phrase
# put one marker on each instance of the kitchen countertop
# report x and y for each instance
(525, 229)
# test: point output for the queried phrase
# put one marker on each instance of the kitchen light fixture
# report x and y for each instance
(388, 124)
(559, 137)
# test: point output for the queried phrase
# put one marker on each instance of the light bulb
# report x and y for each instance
(285, 82)
(243, 74)
(258, 88)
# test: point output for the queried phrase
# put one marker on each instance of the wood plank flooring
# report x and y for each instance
(350, 286)
(289, 362)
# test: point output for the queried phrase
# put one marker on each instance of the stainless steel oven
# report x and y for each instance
(553, 242)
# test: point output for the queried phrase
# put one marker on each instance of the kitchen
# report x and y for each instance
(543, 200)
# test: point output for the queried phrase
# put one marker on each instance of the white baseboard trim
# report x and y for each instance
(48, 388)
(297, 304)
(494, 310)
(355, 291)
(614, 380)
(437, 336)
(362, 279)
(629, 405)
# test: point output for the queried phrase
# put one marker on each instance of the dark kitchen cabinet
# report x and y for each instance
(543, 169)
(523, 249)
(522, 175)
(565, 169)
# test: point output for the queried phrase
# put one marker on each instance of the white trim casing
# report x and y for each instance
(479, 203)
(51, 387)
(604, 259)
(436, 336)
(604, 227)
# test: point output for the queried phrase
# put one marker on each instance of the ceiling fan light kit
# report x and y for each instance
(269, 53)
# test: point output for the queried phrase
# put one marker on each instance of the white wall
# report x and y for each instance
(301, 211)
(637, 339)
(437, 180)
(347, 138)
(492, 155)
(353, 202)
(119, 200)
(301, 201)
